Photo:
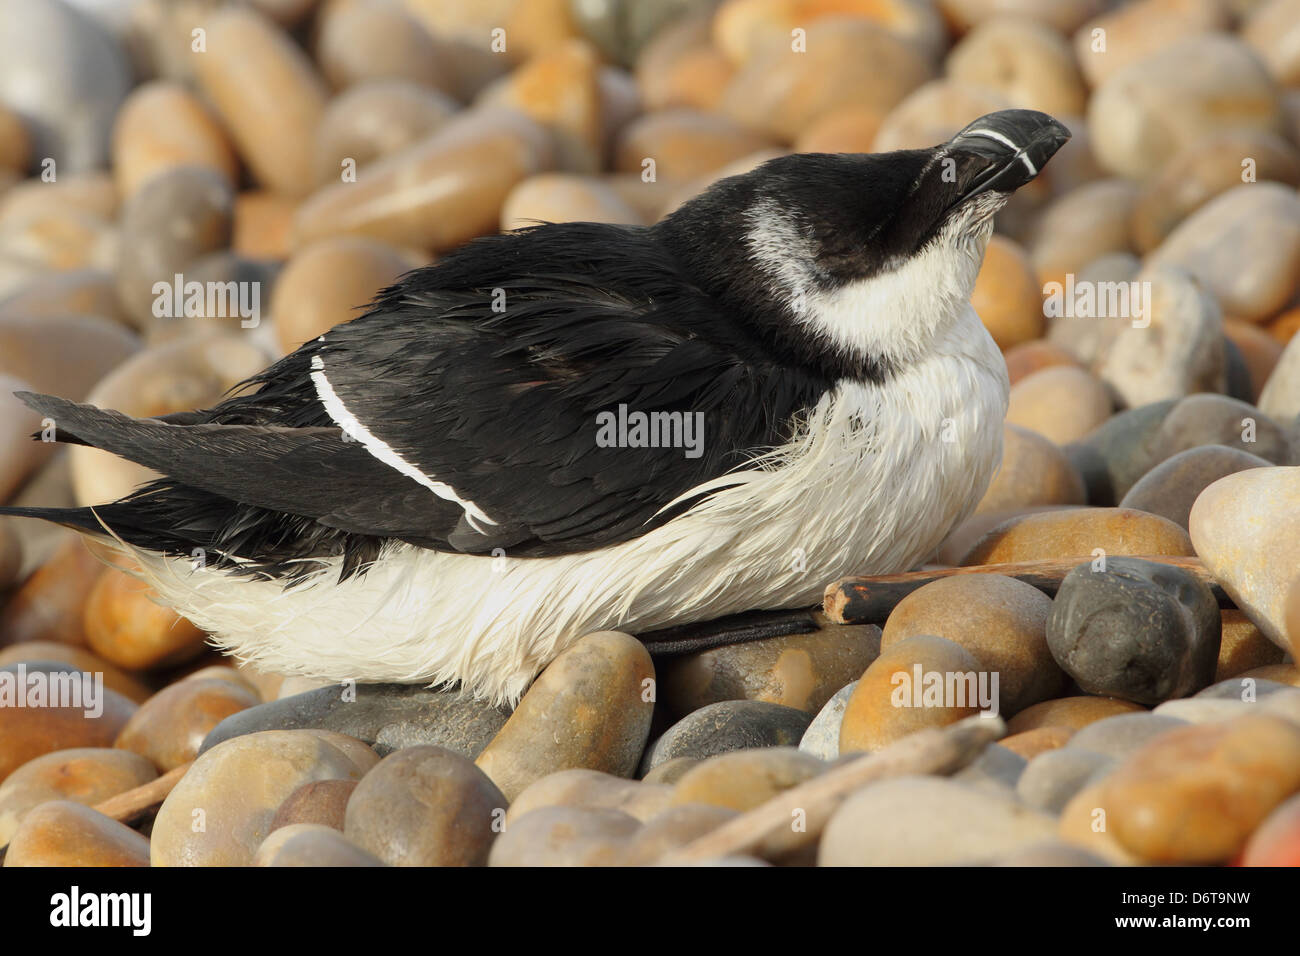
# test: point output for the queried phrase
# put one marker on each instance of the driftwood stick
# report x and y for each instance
(132, 804)
(868, 600)
(769, 829)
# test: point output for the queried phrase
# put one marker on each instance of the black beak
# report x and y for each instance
(1007, 149)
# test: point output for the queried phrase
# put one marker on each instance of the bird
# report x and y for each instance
(575, 427)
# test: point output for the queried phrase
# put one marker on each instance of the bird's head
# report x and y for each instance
(857, 261)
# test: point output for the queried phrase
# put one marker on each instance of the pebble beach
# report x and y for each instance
(1097, 668)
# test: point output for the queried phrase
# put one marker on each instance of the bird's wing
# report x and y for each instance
(470, 419)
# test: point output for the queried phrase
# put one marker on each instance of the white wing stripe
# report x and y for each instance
(339, 413)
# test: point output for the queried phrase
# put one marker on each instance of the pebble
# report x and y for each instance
(745, 778)
(215, 816)
(1123, 734)
(374, 119)
(311, 844)
(330, 282)
(66, 77)
(268, 94)
(170, 726)
(928, 821)
(161, 126)
(191, 372)
(591, 707)
(70, 292)
(1281, 395)
(565, 197)
(1085, 823)
(996, 770)
(1063, 15)
(684, 143)
(671, 770)
(1051, 779)
(15, 143)
(671, 830)
(426, 806)
(884, 707)
(386, 716)
(846, 61)
(623, 28)
(1072, 712)
(1246, 528)
(1143, 114)
(1243, 689)
(1136, 31)
(1271, 30)
(1174, 349)
(86, 775)
(54, 651)
(175, 217)
(1040, 740)
(999, 620)
(36, 729)
(1007, 296)
(1029, 63)
(822, 738)
(1061, 403)
(743, 29)
(1243, 246)
(59, 240)
(1034, 471)
(263, 225)
(1029, 357)
(1276, 842)
(47, 607)
(1083, 335)
(1079, 532)
(125, 626)
(67, 834)
(319, 803)
(93, 193)
(565, 836)
(846, 129)
(1136, 630)
(726, 726)
(559, 89)
(591, 788)
(680, 66)
(1196, 794)
(1078, 227)
(1217, 420)
(1171, 488)
(1260, 354)
(1204, 169)
(356, 42)
(801, 670)
(1195, 711)
(934, 112)
(479, 155)
(66, 354)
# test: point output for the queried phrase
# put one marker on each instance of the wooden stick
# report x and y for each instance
(868, 600)
(768, 830)
(132, 804)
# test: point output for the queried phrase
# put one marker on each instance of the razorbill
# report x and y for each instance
(577, 426)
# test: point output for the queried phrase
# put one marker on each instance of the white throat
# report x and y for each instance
(897, 315)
